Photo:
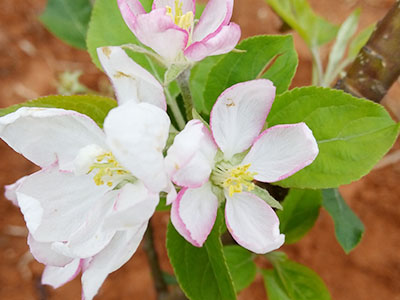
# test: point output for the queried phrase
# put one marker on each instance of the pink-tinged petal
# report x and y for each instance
(55, 204)
(10, 191)
(49, 135)
(281, 151)
(216, 14)
(137, 134)
(253, 223)
(190, 159)
(239, 114)
(117, 253)
(187, 5)
(92, 236)
(193, 213)
(58, 276)
(221, 42)
(135, 206)
(130, 9)
(44, 253)
(131, 81)
(157, 31)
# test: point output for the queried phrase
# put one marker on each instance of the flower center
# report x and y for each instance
(108, 170)
(234, 179)
(184, 21)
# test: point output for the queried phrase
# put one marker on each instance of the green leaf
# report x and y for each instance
(313, 29)
(202, 273)
(348, 227)
(263, 194)
(353, 134)
(292, 281)
(241, 266)
(300, 211)
(359, 41)
(271, 57)
(68, 20)
(346, 31)
(198, 77)
(96, 107)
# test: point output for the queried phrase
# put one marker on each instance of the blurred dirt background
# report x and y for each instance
(31, 60)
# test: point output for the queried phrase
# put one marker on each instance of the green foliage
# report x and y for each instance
(300, 211)
(298, 14)
(96, 107)
(292, 281)
(241, 266)
(359, 41)
(348, 227)
(271, 57)
(353, 134)
(68, 20)
(263, 194)
(202, 273)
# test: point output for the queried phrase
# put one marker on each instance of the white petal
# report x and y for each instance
(58, 276)
(10, 191)
(44, 253)
(190, 159)
(216, 14)
(135, 205)
(137, 134)
(281, 151)
(49, 135)
(131, 81)
(253, 223)
(117, 253)
(171, 193)
(55, 204)
(193, 213)
(239, 115)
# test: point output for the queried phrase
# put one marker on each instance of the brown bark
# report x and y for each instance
(377, 66)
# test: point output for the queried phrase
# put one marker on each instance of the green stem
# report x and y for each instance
(173, 105)
(183, 83)
(317, 67)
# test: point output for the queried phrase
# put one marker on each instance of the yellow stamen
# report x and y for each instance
(239, 177)
(184, 21)
(108, 168)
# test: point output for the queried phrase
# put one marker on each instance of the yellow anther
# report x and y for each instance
(107, 169)
(239, 177)
(184, 21)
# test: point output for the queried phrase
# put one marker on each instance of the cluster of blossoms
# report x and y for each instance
(88, 207)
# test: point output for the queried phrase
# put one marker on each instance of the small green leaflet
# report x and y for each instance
(270, 57)
(292, 281)
(348, 227)
(68, 20)
(344, 127)
(300, 211)
(96, 107)
(241, 266)
(202, 273)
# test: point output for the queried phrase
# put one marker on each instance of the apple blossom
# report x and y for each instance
(228, 158)
(171, 31)
(89, 205)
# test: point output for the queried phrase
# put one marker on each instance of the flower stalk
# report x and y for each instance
(183, 83)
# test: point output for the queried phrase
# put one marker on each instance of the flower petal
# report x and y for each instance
(193, 213)
(10, 191)
(281, 151)
(58, 276)
(191, 157)
(223, 41)
(216, 14)
(187, 5)
(253, 223)
(130, 9)
(55, 204)
(137, 134)
(131, 81)
(117, 253)
(44, 253)
(239, 115)
(47, 135)
(157, 31)
(135, 206)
